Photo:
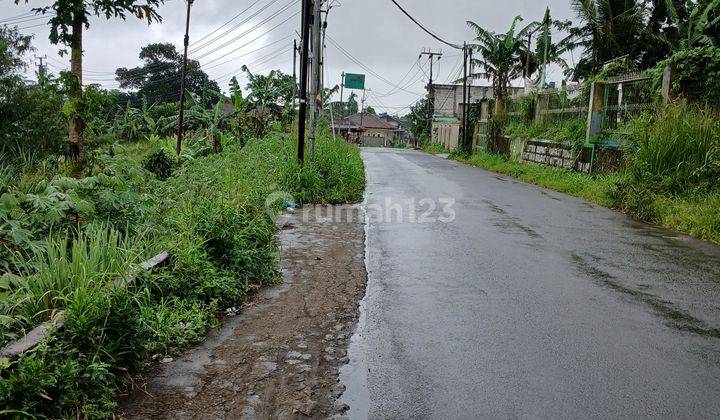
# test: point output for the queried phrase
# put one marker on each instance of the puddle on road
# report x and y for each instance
(354, 374)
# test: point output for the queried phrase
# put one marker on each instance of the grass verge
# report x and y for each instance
(212, 214)
(697, 215)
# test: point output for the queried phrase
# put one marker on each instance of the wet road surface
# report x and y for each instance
(529, 304)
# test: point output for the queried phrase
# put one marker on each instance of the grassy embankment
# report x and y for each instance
(671, 178)
(210, 214)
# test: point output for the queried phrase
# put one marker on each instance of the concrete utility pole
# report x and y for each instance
(342, 88)
(302, 112)
(431, 91)
(362, 109)
(546, 22)
(181, 119)
(42, 70)
(295, 54)
(315, 88)
(465, 105)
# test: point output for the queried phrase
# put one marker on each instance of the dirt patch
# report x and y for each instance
(280, 357)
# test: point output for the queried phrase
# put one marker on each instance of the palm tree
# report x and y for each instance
(609, 29)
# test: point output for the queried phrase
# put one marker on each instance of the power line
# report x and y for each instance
(31, 26)
(366, 68)
(246, 20)
(30, 19)
(226, 23)
(247, 53)
(424, 28)
(252, 40)
(412, 67)
(261, 60)
(20, 16)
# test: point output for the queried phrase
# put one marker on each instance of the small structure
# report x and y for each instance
(368, 130)
(449, 108)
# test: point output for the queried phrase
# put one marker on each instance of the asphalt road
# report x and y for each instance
(529, 304)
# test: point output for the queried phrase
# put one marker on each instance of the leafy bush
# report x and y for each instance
(698, 74)
(211, 215)
(161, 163)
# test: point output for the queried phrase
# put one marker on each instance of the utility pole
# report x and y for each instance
(469, 100)
(295, 51)
(362, 109)
(546, 22)
(181, 120)
(342, 88)
(431, 91)
(302, 112)
(315, 84)
(465, 105)
(42, 70)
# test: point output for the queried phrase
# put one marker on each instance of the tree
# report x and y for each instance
(269, 95)
(159, 78)
(352, 104)
(609, 29)
(697, 24)
(370, 110)
(69, 19)
(501, 58)
(546, 51)
(30, 114)
(419, 119)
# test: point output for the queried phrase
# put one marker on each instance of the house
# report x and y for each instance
(449, 107)
(368, 130)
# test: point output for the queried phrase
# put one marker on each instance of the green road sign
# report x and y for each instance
(354, 81)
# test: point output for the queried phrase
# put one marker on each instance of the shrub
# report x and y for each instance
(161, 163)
(698, 74)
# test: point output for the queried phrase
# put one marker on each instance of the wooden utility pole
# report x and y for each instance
(181, 119)
(302, 112)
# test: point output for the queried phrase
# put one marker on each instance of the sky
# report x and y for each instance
(363, 36)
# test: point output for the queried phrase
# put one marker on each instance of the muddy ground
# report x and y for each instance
(279, 358)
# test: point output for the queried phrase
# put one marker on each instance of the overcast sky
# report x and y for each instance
(374, 32)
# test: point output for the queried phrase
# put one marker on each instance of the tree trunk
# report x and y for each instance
(217, 146)
(77, 125)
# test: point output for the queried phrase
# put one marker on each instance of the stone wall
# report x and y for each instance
(556, 154)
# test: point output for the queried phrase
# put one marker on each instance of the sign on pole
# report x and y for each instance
(354, 81)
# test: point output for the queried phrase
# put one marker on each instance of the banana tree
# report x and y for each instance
(269, 94)
(699, 28)
(500, 58)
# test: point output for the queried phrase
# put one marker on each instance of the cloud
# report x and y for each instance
(374, 32)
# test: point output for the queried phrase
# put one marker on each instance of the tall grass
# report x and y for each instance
(211, 215)
(676, 150)
(66, 267)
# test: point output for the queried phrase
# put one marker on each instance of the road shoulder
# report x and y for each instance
(281, 356)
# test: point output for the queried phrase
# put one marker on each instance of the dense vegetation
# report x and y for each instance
(212, 217)
(74, 227)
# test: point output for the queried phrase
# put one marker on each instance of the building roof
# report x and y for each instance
(368, 121)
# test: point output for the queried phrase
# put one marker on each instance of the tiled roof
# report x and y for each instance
(368, 121)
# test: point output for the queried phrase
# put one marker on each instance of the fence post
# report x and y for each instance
(538, 107)
(669, 75)
(595, 112)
